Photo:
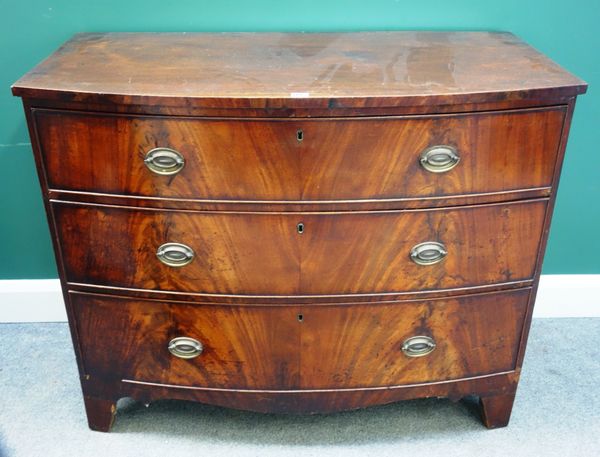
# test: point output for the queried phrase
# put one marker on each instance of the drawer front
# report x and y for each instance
(331, 346)
(336, 159)
(265, 253)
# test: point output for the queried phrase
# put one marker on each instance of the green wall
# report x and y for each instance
(565, 31)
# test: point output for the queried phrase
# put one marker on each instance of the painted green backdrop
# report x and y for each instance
(566, 31)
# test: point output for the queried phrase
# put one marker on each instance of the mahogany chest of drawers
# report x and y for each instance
(299, 223)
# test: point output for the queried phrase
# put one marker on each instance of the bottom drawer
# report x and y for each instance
(299, 346)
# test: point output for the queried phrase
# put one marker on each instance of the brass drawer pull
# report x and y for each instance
(418, 346)
(439, 159)
(164, 161)
(175, 254)
(428, 253)
(185, 347)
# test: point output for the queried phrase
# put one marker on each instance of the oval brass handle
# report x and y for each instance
(164, 161)
(185, 347)
(439, 159)
(175, 254)
(418, 346)
(428, 253)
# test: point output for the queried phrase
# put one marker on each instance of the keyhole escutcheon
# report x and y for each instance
(299, 135)
(300, 228)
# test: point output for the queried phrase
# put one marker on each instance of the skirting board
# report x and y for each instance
(40, 300)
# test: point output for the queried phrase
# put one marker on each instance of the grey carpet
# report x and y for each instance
(556, 413)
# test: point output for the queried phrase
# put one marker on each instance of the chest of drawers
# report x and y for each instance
(299, 223)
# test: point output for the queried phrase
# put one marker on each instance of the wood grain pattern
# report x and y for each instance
(262, 253)
(331, 347)
(297, 70)
(500, 151)
(311, 402)
(233, 103)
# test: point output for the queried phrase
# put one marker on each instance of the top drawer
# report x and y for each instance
(301, 159)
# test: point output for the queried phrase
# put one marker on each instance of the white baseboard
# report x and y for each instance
(40, 300)
(568, 296)
(31, 300)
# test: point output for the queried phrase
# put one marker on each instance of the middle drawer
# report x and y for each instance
(276, 254)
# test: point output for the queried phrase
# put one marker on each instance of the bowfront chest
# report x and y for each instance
(299, 223)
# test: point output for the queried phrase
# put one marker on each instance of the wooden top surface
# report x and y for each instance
(255, 70)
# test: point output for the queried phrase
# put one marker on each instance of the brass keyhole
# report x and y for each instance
(299, 135)
(300, 228)
(300, 317)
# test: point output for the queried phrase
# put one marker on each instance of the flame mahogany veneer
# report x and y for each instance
(330, 221)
